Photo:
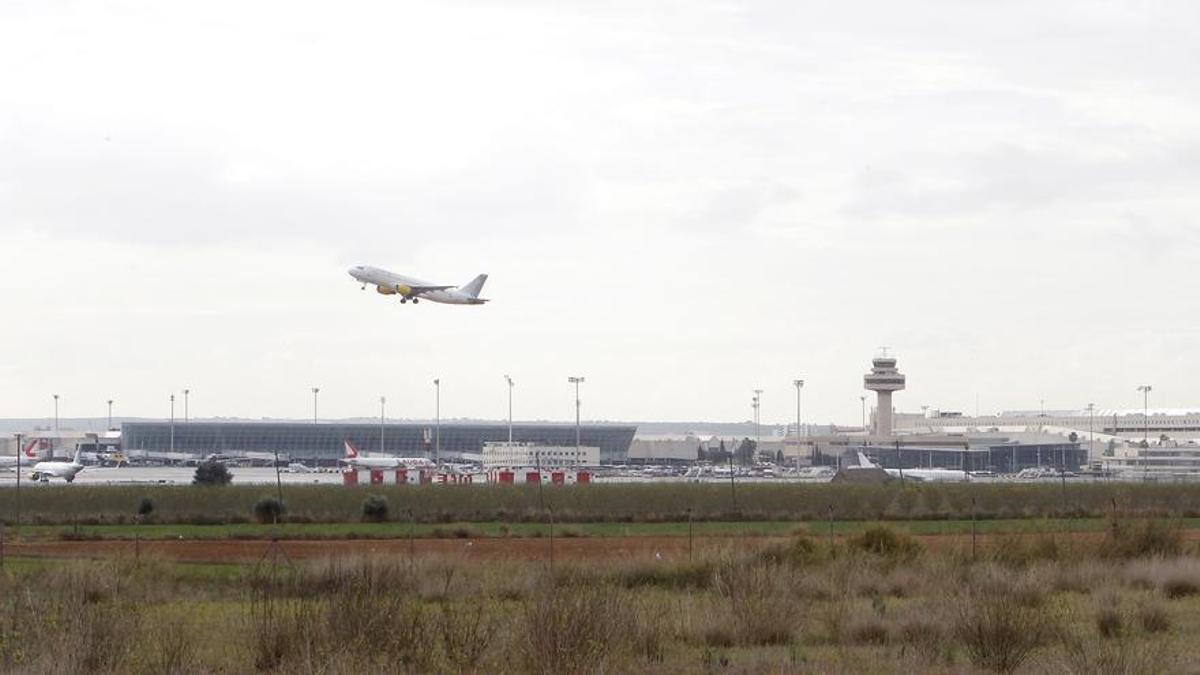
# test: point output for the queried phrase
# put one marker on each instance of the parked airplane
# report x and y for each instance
(929, 475)
(44, 471)
(408, 288)
(356, 461)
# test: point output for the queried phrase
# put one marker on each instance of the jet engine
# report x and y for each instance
(385, 290)
(404, 290)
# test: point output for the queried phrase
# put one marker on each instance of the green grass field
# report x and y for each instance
(625, 503)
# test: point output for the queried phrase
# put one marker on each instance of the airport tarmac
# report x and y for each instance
(176, 475)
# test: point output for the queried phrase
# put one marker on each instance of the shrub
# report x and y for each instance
(211, 473)
(1153, 618)
(268, 510)
(1145, 538)
(576, 631)
(1180, 587)
(145, 507)
(375, 508)
(886, 542)
(764, 608)
(998, 630)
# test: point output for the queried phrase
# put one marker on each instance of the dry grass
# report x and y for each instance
(877, 605)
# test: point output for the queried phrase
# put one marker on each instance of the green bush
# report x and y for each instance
(268, 510)
(145, 507)
(375, 508)
(212, 473)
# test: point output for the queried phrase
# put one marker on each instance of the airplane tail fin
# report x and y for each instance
(473, 287)
(78, 456)
(863, 460)
(351, 451)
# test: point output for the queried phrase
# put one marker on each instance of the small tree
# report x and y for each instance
(700, 454)
(212, 473)
(268, 510)
(375, 508)
(779, 456)
(1073, 437)
(145, 507)
(746, 451)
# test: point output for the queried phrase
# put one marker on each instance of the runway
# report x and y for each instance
(175, 475)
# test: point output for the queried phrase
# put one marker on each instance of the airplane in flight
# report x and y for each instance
(357, 461)
(919, 475)
(44, 471)
(408, 288)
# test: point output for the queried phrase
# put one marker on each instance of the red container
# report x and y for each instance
(401, 476)
(558, 477)
(376, 477)
(350, 478)
(505, 477)
(583, 477)
(533, 477)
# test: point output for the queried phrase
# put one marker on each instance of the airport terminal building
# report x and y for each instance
(322, 443)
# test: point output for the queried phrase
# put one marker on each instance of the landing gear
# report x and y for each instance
(403, 300)
(414, 301)
(364, 287)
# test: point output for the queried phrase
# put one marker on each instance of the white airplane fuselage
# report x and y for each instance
(929, 475)
(44, 471)
(411, 288)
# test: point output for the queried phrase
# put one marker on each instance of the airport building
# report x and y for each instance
(508, 455)
(323, 443)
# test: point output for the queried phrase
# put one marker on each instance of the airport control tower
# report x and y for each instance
(883, 379)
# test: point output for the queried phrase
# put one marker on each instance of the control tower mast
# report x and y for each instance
(883, 379)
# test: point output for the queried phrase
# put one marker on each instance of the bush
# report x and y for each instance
(375, 508)
(577, 631)
(1143, 539)
(212, 473)
(886, 542)
(1153, 618)
(145, 507)
(998, 630)
(268, 510)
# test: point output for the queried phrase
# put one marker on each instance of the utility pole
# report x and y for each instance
(20, 451)
(382, 419)
(172, 422)
(576, 380)
(110, 426)
(315, 391)
(510, 388)
(863, 401)
(186, 417)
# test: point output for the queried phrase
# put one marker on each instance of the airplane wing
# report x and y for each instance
(418, 290)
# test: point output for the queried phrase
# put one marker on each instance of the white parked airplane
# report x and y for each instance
(930, 475)
(356, 461)
(408, 288)
(44, 471)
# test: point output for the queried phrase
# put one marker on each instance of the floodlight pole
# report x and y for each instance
(110, 426)
(54, 442)
(172, 422)
(510, 393)
(799, 385)
(1145, 389)
(575, 380)
(382, 419)
(315, 391)
(757, 433)
(1091, 408)
(186, 417)
(437, 433)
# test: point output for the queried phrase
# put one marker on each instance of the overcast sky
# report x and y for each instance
(680, 201)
